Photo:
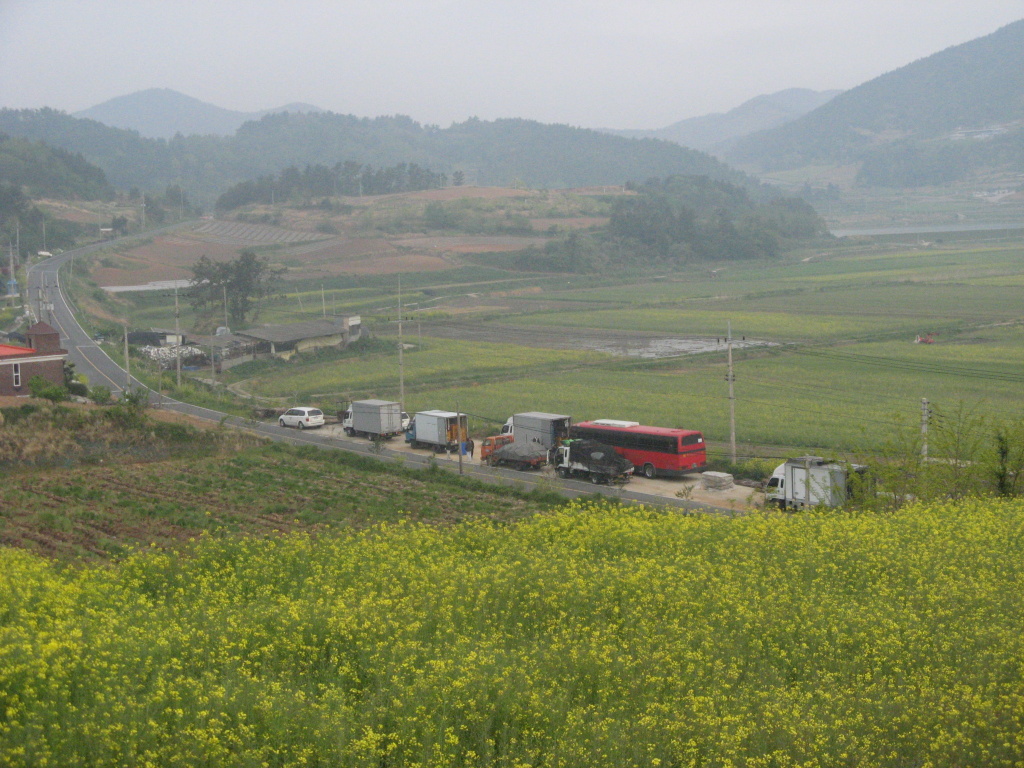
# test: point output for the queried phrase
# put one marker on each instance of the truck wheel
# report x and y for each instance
(562, 472)
(348, 431)
(649, 471)
(595, 478)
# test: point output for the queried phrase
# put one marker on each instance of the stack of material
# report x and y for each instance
(716, 481)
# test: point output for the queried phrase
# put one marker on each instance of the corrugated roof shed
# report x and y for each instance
(283, 334)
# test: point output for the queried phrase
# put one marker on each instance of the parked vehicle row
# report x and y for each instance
(530, 440)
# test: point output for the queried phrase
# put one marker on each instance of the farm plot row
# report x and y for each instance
(105, 510)
(433, 362)
(852, 401)
(961, 266)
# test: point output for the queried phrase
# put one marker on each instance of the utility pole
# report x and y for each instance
(12, 283)
(732, 399)
(323, 300)
(127, 363)
(177, 339)
(925, 413)
(401, 363)
(225, 306)
(458, 431)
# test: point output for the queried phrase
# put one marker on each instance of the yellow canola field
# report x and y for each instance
(594, 636)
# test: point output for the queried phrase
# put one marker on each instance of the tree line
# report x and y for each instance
(681, 219)
(347, 178)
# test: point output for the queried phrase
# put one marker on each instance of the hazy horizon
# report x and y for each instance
(600, 64)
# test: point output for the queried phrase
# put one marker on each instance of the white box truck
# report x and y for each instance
(373, 419)
(547, 429)
(810, 481)
(438, 430)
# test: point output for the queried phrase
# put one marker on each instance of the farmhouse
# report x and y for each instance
(43, 357)
(285, 340)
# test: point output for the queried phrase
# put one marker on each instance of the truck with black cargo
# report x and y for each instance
(521, 456)
(591, 459)
(493, 443)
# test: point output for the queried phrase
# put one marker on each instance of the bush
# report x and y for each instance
(46, 390)
(100, 395)
(79, 388)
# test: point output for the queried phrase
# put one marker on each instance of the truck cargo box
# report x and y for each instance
(375, 418)
(547, 429)
(438, 429)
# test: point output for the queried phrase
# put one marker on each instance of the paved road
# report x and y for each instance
(48, 302)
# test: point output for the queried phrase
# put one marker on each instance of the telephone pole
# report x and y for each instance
(925, 413)
(731, 378)
(127, 364)
(177, 339)
(401, 364)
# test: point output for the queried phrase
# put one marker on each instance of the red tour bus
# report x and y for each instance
(653, 450)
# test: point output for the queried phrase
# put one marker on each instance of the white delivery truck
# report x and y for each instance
(438, 430)
(810, 481)
(373, 419)
(545, 429)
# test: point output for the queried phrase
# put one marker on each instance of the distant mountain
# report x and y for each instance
(492, 153)
(160, 113)
(713, 133)
(935, 120)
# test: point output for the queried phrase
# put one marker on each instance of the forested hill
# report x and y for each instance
(977, 85)
(39, 170)
(501, 152)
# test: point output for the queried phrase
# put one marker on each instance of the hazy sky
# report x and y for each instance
(592, 63)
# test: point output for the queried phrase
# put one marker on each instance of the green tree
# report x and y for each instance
(242, 284)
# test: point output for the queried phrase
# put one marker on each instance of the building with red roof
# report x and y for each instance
(43, 357)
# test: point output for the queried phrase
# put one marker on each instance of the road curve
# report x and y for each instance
(48, 302)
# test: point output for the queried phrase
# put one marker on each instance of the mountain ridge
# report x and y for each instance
(715, 132)
(977, 84)
(162, 113)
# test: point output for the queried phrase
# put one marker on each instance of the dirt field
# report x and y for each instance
(304, 254)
